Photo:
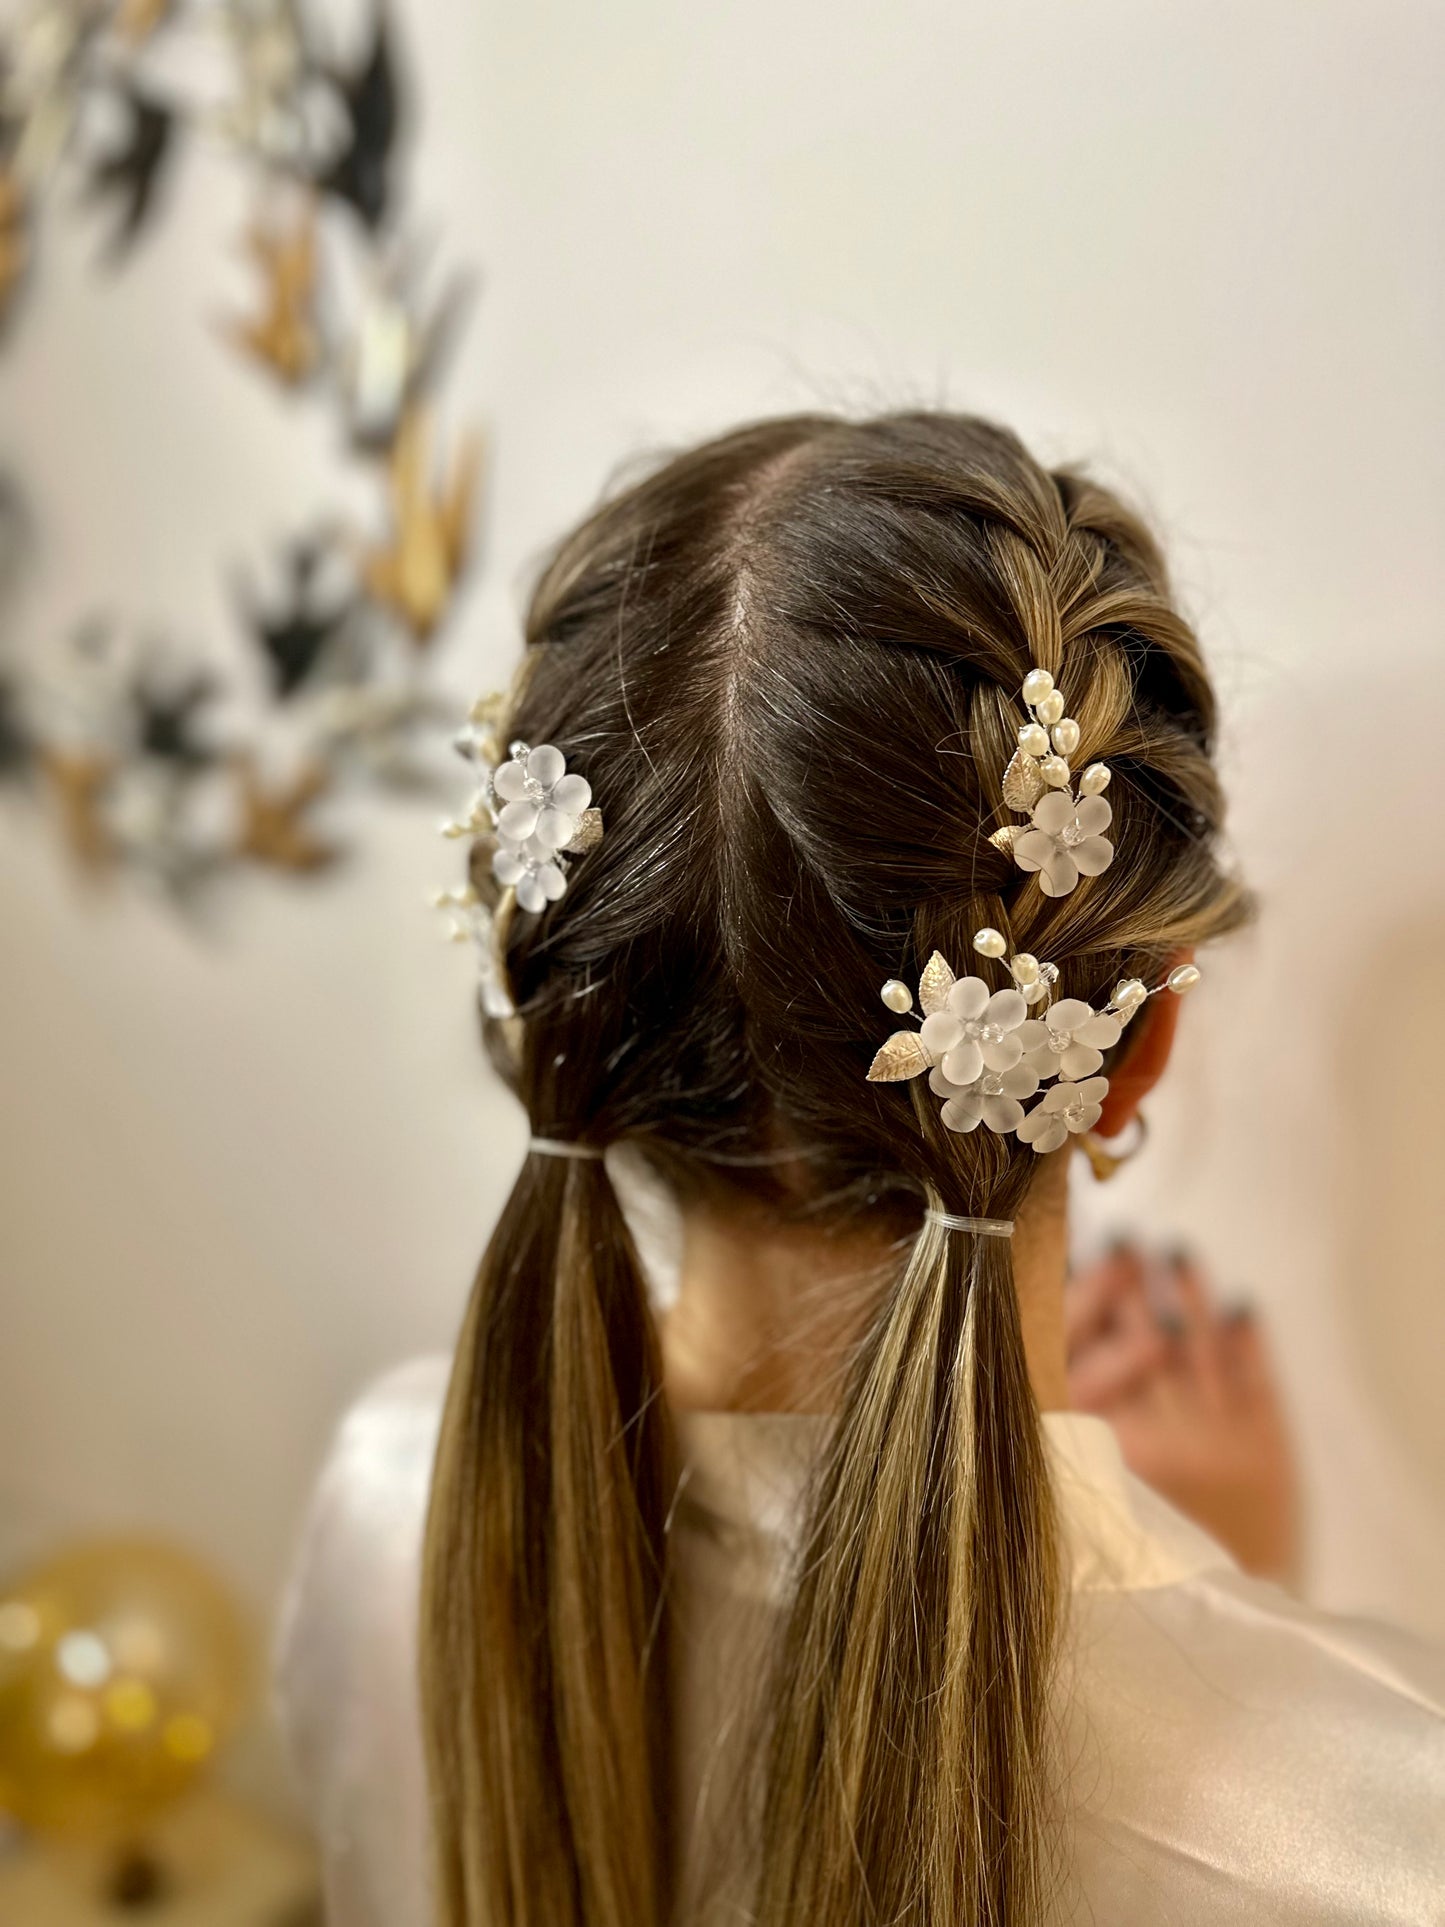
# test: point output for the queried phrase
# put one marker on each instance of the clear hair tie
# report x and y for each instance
(557, 1147)
(980, 1227)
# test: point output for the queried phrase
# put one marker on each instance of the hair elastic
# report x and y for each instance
(557, 1147)
(980, 1227)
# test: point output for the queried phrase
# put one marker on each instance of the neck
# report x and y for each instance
(766, 1320)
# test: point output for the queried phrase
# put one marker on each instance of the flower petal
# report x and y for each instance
(510, 782)
(1094, 855)
(964, 1063)
(546, 764)
(1032, 849)
(507, 864)
(940, 1032)
(529, 893)
(555, 829)
(572, 794)
(942, 1086)
(1058, 1097)
(1095, 1090)
(1068, 1013)
(1079, 1060)
(1094, 815)
(1002, 1053)
(1054, 812)
(553, 881)
(961, 1114)
(1059, 875)
(1086, 1119)
(517, 821)
(1002, 1114)
(968, 998)
(1033, 1034)
(1035, 1122)
(1005, 1008)
(1101, 1030)
(1021, 1081)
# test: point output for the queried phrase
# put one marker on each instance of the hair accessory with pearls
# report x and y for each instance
(985, 1055)
(1065, 838)
(538, 812)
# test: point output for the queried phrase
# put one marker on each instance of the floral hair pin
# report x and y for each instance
(538, 811)
(538, 815)
(1065, 838)
(985, 1055)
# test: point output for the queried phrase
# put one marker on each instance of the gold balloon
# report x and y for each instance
(123, 1666)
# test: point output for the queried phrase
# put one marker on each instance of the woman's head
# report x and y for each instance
(788, 664)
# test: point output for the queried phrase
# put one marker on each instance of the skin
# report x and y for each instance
(765, 1319)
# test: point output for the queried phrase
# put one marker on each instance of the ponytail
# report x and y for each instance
(907, 1776)
(543, 1648)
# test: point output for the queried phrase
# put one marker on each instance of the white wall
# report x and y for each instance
(1198, 243)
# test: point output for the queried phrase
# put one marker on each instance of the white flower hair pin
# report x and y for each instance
(538, 811)
(538, 815)
(985, 1055)
(1065, 838)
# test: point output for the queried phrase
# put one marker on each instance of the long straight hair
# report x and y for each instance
(788, 664)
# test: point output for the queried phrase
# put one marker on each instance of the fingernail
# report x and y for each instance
(1179, 1258)
(1241, 1313)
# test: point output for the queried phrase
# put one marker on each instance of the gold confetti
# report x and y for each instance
(415, 573)
(272, 830)
(284, 336)
(901, 1057)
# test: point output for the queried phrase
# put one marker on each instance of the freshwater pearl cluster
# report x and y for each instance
(1065, 838)
(987, 1052)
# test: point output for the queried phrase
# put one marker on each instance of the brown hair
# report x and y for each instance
(788, 663)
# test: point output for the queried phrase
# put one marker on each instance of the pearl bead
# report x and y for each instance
(897, 995)
(1129, 993)
(989, 943)
(1055, 772)
(1094, 779)
(1066, 736)
(1025, 968)
(1051, 708)
(1037, 684)
(1183, 977)
(1034, 740)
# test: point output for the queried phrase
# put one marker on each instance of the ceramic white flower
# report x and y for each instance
(1066, 841)
(974, 1031)
(1068, 1040)
(541, 803)
(1065, 1109)
(532, 871)
(992, 1099)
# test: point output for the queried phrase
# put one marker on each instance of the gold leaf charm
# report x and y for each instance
(589, 833)
(934, 985)
(1004, 839)
(901, 1057)
(1023, 782)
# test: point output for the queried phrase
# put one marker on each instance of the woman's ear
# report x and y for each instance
(1145, 1058)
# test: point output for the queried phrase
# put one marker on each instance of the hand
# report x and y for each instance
(1191, 1395)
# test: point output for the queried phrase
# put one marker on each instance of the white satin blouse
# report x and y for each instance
(1234, 1756)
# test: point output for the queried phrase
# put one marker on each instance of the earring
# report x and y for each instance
(1106, 1164)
